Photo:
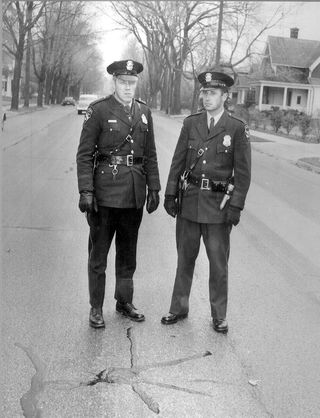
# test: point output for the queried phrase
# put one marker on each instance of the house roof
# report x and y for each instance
(300, 53)
(244, 80)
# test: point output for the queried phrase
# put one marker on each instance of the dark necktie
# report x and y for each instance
(127, 109)
(210, 130)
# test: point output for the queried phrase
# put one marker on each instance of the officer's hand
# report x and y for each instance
(152, 200)
(170, 205)
(87, 203)
(233, 215)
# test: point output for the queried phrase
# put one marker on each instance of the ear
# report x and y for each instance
(225, 96)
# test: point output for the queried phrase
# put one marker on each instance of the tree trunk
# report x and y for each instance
(195, 96)
(27, 73)
(17, 73)
(218, 50)
(49, 78)
(176, 96)
(28, 56)
(40, 93)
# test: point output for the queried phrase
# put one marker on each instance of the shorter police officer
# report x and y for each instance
(116, 160)
(214, 156)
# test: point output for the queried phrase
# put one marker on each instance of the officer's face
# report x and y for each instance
(125, 87)
(213, 99)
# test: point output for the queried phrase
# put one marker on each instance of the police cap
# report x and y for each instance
(127, 67)
(213, 79)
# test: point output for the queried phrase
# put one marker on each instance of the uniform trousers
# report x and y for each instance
(216, 238)
(124, 224)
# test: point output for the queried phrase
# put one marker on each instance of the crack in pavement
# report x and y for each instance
(120, 375)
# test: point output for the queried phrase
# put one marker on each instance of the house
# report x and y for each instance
(289, 76)
(7, 71)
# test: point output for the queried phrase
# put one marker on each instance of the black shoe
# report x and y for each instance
(128, 310)
(172, 318)
(95, 318)
(220, 325)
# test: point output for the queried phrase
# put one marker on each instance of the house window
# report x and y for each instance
(298, 100)
(4, 85)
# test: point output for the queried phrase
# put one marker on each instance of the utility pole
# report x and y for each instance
(218, 49)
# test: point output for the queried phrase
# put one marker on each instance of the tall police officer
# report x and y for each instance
(116, 160)
(214, 153)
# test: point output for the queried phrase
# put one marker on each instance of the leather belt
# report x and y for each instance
(208, 184)
(127, 160)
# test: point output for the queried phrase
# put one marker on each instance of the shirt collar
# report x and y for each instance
(216, 118)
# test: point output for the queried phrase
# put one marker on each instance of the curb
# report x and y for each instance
(308, 166)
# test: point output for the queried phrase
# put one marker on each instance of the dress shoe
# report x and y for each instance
(172, 318)
(128, 310)
(95, 318)
(220, 325)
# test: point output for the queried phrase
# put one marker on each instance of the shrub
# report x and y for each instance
(316, 126)
(241, 112)
(256, 117)
(289, 121)
(276, 119)
(304, 122)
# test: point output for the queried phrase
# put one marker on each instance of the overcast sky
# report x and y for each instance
(304, 15)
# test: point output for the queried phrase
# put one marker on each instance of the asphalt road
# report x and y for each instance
(54, 365)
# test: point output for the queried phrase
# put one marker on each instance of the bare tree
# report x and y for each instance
(65, 54)
(17, 25)
(242, 28)
(167, 32)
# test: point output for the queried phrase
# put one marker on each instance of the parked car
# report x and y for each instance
(68, 101)
(84, 101)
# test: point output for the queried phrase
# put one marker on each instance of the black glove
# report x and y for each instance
(152, 200)
(170, 205)
(233, 215)
(87, 202)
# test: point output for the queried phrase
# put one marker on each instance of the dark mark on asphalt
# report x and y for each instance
(29, 401)
(120, 375)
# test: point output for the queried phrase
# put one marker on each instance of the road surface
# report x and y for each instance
(55, 365)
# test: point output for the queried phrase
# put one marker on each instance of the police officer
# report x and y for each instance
(214, 152)
(116, 160)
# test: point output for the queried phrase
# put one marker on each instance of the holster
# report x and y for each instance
(182, 185)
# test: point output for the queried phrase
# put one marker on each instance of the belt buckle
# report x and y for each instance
(205, 183)
(129, 160)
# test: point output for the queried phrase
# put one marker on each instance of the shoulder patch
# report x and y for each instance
(247, 132)
(88, 114)
(246, 127)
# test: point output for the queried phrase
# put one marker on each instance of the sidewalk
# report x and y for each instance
(22, 110)
(302, 154)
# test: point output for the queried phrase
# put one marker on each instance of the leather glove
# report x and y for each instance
(87, 202)
(233, 215)
(170, 205)
(152, 200)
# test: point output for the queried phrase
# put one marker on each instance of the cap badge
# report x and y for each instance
(129, 65)
(227, 140)
(144, 119)
(208, 77)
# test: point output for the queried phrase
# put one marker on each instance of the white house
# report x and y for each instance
(289, 77)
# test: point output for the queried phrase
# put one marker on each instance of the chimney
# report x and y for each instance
(294, 33)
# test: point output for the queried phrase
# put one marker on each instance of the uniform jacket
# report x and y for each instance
(227, 152)
(106, 126)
